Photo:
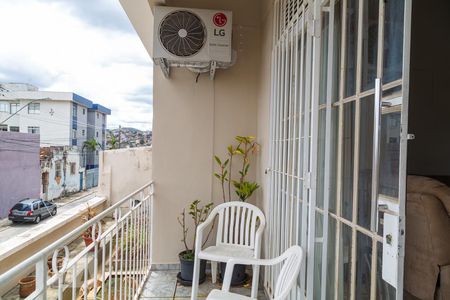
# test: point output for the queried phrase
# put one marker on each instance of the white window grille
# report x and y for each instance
(325, 58)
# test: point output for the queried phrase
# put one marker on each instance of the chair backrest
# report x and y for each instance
(289, 272)
(239, 223)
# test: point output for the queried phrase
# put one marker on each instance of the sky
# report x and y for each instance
(88, 47)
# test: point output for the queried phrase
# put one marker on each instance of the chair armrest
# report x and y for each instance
(248, 261)
(200, 229)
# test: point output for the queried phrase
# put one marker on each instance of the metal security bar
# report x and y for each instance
(326, 57)
(290, 135)
(115, 265)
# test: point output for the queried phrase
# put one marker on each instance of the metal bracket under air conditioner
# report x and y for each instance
(196, 67)
(212, 70)
(165, 68)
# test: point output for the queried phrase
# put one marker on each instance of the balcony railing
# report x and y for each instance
(115, 265)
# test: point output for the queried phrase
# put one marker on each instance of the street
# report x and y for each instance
(9, 230)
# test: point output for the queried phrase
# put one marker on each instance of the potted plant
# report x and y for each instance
(87, 235)
(27, 285)
(198, 215)
(243, 188)
(246, 146)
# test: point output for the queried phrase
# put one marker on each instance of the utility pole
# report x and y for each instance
(120, 133)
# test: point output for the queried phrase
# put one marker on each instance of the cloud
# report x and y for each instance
(99, 13)
(20, 73)
(86, 47)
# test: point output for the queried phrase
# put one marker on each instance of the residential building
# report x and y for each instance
(19, 170)
(62, 172)
(61, 118)
(347, 99)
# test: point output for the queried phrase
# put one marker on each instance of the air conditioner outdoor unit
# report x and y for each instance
(198, 39)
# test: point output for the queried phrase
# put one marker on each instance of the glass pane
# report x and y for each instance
(351, 47)
(363, 266)
(384, 289)
(347, 164)
(389, 154)
(345, 255)
(393, 40)
(333, 157)
(365, 160)
(336, 50)
(321, 159)
(324, 59)
(331, 258)
(392, 92)
(370, 44)
(318, 256)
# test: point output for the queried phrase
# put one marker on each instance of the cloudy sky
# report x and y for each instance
(84, 46)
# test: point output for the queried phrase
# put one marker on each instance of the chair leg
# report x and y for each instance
(255, 282)
(214, 271)
(195, 278)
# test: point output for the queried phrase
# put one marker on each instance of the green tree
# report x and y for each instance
(113, 142)
(91, 145)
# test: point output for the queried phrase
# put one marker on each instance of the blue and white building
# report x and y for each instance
(61, 118)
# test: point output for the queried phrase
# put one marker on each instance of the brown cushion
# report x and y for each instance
(426, 185)
(427, 235)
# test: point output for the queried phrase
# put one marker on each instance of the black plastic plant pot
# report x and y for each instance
(239, 276)
(187, 270)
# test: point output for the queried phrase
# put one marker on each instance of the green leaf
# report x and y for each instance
(219, 162)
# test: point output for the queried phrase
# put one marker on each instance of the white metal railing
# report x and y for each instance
(114, 266)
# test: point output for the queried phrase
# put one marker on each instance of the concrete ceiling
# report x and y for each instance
(141, 16)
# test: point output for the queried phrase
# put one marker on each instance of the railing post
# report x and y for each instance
(41, 278)
(128, 266)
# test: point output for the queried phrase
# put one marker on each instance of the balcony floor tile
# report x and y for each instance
(162, 285)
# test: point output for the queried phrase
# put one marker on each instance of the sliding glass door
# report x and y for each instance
(338, 133)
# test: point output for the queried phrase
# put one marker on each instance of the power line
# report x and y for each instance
(26, 105)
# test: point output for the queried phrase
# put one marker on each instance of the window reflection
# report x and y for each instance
(363, 266)
(351, 46)
(393, 40)
(369, 44)
(365, 161)
(347, 163)
(345, 255)
(389, 154)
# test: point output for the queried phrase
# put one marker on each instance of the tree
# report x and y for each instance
(91, 145)
(113, 142)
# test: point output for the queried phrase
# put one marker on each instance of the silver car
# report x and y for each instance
(32, 210)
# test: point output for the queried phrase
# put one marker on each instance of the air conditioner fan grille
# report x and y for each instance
(182, 33)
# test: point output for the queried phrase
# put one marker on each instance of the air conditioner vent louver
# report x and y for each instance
(182, 33)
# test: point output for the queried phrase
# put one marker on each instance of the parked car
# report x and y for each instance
(32, 210)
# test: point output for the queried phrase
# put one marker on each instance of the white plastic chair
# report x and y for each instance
(288, 276)
(239, 234)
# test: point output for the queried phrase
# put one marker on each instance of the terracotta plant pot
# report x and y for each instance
(27, 286)
(88, 241)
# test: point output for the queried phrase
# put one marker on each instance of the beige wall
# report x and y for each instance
(264, 91)
(193, 121)
(123, 171)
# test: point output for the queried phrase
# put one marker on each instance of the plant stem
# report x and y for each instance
(229, 177)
